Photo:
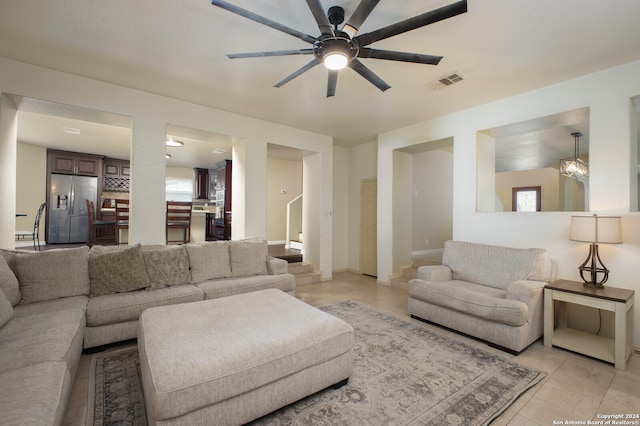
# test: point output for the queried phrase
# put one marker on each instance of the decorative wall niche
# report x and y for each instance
(528, 154)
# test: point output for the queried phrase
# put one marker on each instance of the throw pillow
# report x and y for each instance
(6, 310)
(52, 274)
(9, 283)
(167, 266)
(209, 260)
(117, 272)
(248, 257)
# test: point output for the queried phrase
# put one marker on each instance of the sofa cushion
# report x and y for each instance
(123, 307)
(52, 336)
(209, 260)
(10, 255)
(47, 383)
(167, 266)
(473, 299)
(223, 287)
(117, 272)
(6, 309)
(248, 257)
(9, 283)
(75, 302)
(496, 266)
(52, 274)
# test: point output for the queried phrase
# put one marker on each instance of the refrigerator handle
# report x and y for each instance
(72, 196)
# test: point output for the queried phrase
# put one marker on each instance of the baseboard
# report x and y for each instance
(275, 243)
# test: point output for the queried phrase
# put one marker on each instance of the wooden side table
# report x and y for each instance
(617, 300)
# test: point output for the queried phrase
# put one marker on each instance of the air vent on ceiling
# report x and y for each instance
(447, 80)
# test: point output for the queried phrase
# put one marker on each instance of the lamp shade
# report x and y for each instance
(596, 229)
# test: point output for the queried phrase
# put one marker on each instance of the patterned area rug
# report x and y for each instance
(403, 375)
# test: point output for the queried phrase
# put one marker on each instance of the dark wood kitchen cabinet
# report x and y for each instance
(202, 183)
(74, 163)
(115, 167)
(116, 175)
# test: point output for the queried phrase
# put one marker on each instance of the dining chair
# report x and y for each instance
(179, 217)
(122, 217)
(100, 231)
(35, 234)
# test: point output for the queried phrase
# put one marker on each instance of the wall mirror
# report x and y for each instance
(528, 154)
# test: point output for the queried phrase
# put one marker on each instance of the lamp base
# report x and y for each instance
(593, 269)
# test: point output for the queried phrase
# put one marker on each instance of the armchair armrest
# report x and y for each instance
(531, 293)
(276, 266)
(525, 291)
(434, 273)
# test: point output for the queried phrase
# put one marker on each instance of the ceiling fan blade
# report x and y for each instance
(320, 16)
(331, 84)
(264, 21)
(274, 53)
(391, 55)
(290, 77)
(359, 15)
(418, 21)
(365, 72)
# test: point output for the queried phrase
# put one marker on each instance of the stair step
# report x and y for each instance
(300, 268)
(308, 278)
(303, 271)
(411, 272)
(400, 282)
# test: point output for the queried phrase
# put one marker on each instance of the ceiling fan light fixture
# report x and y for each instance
(335, 60)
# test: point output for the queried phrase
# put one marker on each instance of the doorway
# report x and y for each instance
(368, 227)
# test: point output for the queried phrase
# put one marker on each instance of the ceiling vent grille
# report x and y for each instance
(447, 80)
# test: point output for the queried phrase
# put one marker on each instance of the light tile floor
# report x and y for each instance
(576, 388)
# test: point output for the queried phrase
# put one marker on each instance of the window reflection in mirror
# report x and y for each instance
(528, 154)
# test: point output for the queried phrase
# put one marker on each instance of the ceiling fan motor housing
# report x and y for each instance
(336, 15)
(338, 43)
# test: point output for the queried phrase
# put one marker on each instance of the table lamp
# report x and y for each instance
(595, 230)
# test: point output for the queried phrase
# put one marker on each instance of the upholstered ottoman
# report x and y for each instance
(237, 358)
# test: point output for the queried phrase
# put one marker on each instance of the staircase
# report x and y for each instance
(303, 271)
(411, 272)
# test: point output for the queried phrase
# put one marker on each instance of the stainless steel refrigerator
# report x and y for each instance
(67, 218)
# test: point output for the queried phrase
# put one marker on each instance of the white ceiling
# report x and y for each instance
(177, 49)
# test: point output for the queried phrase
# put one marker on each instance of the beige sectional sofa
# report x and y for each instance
(57, 302)
(489, 292)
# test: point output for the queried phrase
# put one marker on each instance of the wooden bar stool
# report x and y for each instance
(98, 229)
(179, 217)
(122, 217)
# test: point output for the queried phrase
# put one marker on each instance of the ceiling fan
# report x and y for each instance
(339, 48)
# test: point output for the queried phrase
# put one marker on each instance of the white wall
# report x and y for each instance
(607, 94)
(341, 208)
(150, 114)
(31, 191)
(8, 150)
(282, 175)
(432, 200)
(363, 161)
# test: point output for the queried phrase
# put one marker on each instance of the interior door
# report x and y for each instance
(368, 227)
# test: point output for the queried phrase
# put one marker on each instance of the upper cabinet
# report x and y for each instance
(116, 175)
(223, 179)
(202, 183)
(73, 163)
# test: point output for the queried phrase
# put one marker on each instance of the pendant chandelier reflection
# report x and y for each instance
(574, 167)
